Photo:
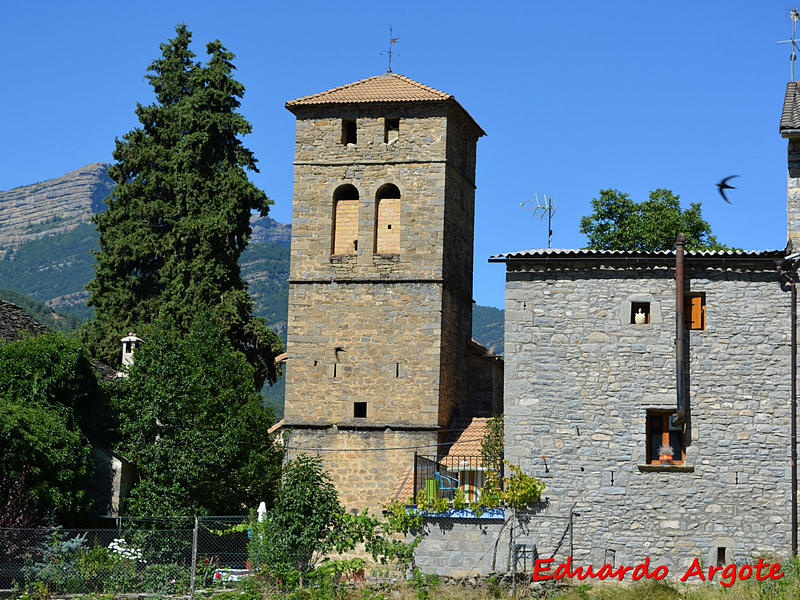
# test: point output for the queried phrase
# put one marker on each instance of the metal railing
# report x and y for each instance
(442, 477)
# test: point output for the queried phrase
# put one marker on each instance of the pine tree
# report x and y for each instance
(179, 217)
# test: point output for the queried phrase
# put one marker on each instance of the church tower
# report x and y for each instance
(380, 284)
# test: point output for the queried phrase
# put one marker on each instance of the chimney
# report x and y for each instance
(790, 129)
(129, 344)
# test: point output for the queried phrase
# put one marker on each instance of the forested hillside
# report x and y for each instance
(46, 243)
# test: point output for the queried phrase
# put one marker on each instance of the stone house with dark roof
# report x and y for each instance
(655, 400)
(114, 475)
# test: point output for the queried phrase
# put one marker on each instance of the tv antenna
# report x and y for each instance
(795, 14)
(548, 207)
(392, 40)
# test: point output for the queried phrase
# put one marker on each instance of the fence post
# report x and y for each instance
(194, 558)
(414, 499)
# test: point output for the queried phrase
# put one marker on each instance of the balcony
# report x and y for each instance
(441, 477)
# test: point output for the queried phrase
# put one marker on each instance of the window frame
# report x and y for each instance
(666, 436)
(694, 310)
(349, 126)
(391, 124)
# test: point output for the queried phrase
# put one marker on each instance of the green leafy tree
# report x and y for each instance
(194, 426)
(179, 216)
(492, 442)
(51, 398)
(619, 223)
(305, 519)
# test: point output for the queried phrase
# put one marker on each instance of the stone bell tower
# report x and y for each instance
(380, 285)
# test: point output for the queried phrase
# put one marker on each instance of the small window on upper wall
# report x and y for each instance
(694, 310)
(391, 130)
(360, 410)
(640, 313)
(349, 132)
(664, 445)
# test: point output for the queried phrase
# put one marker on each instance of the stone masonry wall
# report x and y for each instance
(415, 163)
(462, 547)
(579, 379)
(365, 471)
(388, 336)
(459, 223)
(793, 193)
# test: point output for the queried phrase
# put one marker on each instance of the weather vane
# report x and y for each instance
(795, 14)
(547, 208)
(392, 40)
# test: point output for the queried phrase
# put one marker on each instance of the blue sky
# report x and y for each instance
(575, 97)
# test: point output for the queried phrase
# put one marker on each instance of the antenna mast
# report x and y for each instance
(547, 208)
(795, 14)
(392, 40)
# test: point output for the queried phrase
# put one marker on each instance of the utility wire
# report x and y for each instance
(377, 449)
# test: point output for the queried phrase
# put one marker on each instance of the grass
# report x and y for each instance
(430, 588)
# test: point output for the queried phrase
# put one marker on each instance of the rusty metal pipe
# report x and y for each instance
(679, 418)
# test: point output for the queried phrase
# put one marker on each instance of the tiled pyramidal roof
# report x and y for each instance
(388, 87)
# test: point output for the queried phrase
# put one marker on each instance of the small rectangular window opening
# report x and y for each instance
(360, 410)
(665, 446)
(391, 130)
(333, 371)
(397, 369)
(127, 347)
(349, 131)
(610, 557)
(694, 310)
(721, 556)
(640, 313)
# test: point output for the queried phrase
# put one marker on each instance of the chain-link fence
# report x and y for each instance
(146, 555)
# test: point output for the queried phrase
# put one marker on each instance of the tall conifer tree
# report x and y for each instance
(179, 217)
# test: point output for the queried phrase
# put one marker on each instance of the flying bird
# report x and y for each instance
(723, 185)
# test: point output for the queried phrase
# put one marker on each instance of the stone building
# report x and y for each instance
(380, 284)
(590, 395)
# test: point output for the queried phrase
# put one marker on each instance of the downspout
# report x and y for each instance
(679, 418)
(793, 373)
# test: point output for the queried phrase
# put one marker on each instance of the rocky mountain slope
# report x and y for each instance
(55, 206)
(46, 240)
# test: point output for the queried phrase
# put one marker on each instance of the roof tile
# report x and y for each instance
(388, 87)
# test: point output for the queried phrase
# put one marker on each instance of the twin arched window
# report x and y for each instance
(344, 238)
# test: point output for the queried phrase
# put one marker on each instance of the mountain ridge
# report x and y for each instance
(47, 239)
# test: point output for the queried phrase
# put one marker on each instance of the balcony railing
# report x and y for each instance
(441, 477)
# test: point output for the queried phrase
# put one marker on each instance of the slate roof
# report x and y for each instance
(387, 87)
(762, 258)
(790, 116)
(14, 321)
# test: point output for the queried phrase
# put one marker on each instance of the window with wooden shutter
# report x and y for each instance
(664, 446)
(694, 311)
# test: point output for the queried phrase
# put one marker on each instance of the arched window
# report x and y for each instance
(387, 220)
(344, 237)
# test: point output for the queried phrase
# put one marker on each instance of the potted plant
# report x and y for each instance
(665, 453)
